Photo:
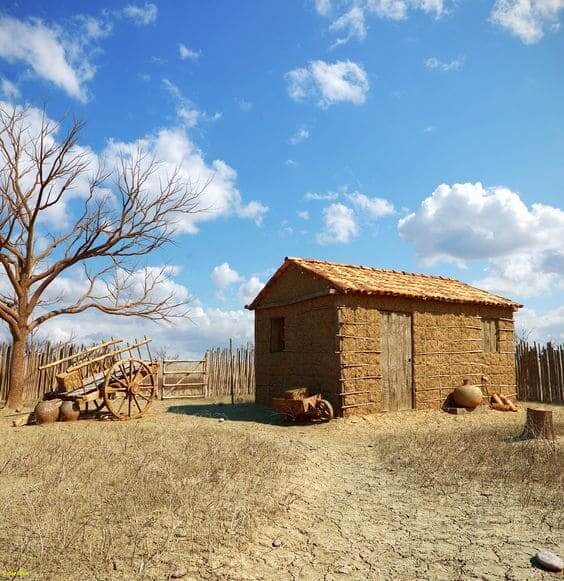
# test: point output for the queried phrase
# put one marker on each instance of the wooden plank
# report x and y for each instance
(82, 352)
(446, 352)
(347, 351)
(396, 361)
(356, 337)
(343, 379)
(357, 405)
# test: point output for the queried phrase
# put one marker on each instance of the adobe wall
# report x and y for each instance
(446, 350)
(309, 359)
(293, 284)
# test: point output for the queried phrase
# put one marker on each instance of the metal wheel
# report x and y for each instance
(325, 410)
(129, 389)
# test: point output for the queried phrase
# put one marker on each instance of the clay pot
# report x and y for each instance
(47, 412)
(69, 411)
(468, 396)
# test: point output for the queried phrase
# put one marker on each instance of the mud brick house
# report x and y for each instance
(375, 340)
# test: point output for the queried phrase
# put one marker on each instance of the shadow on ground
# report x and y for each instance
(239, 412)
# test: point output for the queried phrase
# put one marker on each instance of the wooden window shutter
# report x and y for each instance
(489, 335)
(277, 339)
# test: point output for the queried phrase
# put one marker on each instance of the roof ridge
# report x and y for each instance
(374, 268)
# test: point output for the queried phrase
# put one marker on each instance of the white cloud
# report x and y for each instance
(541, 326)
(527, 19)
(45, 50)
(187, 53)
(523, 273)
(64, 55)
(250, 289)
(189, 336)
(340, 225)
(323, 7)
(523, 246)
(301, 135)
(245, 105)
(187, 112)
(142, 15)
(9, 89)
(350, 22)
(95, 28)
(203, 328)
(291, 163)
(57, 215)
(223, 276)
(303, 214)
(327, 84)
(313, 196)
(253, 210)
(372, 208)
(434, 64)
(174, 149)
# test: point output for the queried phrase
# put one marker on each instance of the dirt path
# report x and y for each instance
(354, 518)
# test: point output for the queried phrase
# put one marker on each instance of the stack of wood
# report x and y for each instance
(501, 403)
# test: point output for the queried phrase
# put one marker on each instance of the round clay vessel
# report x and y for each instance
(69, 411)
(47, 412)
(468, 396)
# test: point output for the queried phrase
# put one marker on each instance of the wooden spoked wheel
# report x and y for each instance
(129, 389)
(325, 410)
(93, 406)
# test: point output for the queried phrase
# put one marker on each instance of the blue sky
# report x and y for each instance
(336, 129)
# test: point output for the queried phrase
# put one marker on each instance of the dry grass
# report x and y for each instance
(103, 500)
(481, 453)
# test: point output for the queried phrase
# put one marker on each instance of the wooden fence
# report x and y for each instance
(224, 368)
(219, 373)
(540, 372)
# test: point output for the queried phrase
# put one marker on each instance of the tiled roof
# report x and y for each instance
(350, 278)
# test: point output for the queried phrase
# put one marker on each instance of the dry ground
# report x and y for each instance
(418, 495)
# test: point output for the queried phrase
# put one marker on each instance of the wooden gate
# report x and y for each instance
(396, 362)
(183, 378)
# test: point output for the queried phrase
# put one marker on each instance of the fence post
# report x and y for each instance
(232, 372)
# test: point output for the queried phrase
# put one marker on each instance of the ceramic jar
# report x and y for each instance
(468, 396)
(69, 411)
(47, 412)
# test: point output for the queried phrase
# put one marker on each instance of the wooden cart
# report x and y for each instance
(121, 380)
(303, 408)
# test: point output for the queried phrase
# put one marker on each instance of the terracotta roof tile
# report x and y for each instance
(350, 278)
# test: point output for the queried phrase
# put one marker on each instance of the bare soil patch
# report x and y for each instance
(418, 495)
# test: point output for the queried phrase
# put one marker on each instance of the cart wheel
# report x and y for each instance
(129, 389)
(325, 410)
(97, 405)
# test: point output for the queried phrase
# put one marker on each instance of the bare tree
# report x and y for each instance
(122, 214)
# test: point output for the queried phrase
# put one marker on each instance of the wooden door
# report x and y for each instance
(396, 361)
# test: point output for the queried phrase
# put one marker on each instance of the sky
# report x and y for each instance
(417, 135)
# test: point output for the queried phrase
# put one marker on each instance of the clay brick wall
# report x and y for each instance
(332, 345)
(309, 359)
(447, 349)
(294, 284)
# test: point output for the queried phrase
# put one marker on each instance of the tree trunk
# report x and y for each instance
(17, 372)
(539, 424)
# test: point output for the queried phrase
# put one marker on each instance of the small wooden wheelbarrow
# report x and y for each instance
(297, 406)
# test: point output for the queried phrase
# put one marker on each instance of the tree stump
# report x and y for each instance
(539, 424)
